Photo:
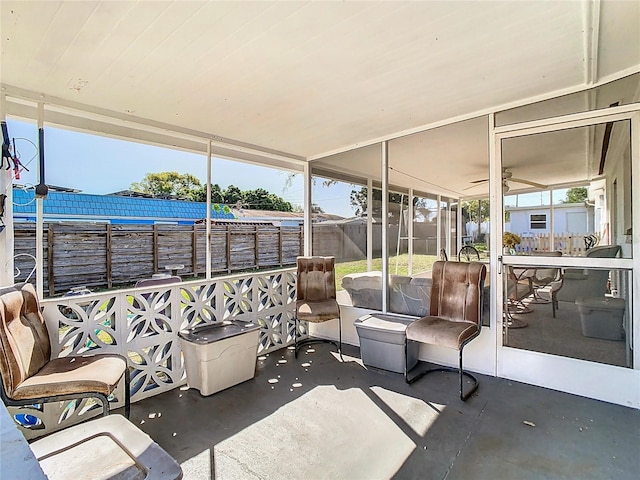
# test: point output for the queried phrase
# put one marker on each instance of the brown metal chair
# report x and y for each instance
(455, 315)
(316, 297)
(30, 375)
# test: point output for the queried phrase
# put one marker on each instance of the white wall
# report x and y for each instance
(566, 219)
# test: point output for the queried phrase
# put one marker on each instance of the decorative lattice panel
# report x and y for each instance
(143, 325)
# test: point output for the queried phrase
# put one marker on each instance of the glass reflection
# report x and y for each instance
(582, 314)
(569, 191)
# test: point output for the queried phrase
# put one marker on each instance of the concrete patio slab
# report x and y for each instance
(317, 418)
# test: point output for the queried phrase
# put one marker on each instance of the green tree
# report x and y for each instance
(216, 194)
(261, 199)
(233, 195)
(199, 194)
(188, 187)
(576, 195)
(168, 184)
(397, 201)
(475, 210)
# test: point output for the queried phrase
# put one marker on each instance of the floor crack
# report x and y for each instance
(471, 430)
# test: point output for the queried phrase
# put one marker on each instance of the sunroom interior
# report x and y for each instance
(421, 132)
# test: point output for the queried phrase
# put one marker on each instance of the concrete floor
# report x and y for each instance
(318, 418)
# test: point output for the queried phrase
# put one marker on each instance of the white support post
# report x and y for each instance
(410, 232)
(207, 229)
(459, 226)
(447, 238)
(439, 226)
(635, 238)
(495, 242)
(40, 219)
(369, 224)
(307, 231)
(385, 221)
(6, 236)
(552, 240)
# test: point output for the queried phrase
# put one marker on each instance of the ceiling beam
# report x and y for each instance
(122, 121)
(591, 41)
(479, 113)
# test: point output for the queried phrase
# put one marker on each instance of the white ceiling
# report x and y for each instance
(309, 79)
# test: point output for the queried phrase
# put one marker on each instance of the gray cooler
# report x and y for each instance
(382, 340)
(601, 317)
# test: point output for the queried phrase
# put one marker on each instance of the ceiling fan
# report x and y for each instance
(508, 177)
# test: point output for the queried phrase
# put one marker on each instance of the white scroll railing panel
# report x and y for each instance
(143, 325)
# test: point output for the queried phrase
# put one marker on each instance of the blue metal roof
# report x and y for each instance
(116, 209)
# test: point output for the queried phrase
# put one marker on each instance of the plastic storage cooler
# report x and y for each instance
(220, 355)
(601, 317)
(382, 341)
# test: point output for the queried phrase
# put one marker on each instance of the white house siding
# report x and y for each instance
(574, 218)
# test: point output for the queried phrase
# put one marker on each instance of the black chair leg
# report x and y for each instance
(463, 396)
(308, 341)
(106, 408)
(474, 386)
(340, 337)
(127, 393)
(295, 337)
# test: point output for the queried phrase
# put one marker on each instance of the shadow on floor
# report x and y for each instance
(315, 418)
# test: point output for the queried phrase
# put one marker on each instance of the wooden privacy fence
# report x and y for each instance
(105, 255)
(568, 243)
(348, 242)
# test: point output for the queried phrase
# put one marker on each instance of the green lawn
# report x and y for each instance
(421, 263)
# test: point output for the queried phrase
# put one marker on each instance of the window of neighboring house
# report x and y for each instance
(538, 221)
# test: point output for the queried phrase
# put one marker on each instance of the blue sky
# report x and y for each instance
(101, 165)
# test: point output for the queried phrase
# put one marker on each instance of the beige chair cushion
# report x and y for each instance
(317, 312)
(24, 340)
(440, 331)
(73, 375)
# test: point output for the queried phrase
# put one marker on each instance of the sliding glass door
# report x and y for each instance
(568, 287)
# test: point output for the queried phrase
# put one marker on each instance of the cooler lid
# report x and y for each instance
(204, 334)
(601, 302)
(383, 322)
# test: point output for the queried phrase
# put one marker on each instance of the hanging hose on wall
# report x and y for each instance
(41, 189)
(10, 156)
(6, 147)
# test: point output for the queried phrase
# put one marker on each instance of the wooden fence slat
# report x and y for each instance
(109, 255)
(109, 258)
(50, 277)
(155, 248)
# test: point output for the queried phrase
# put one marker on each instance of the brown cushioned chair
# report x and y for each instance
(316, 297)
(455, 314)
(30, 375)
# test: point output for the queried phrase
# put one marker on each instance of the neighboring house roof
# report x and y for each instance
(272, 215)
(345, 221)
(556, 206)
(110, 208)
